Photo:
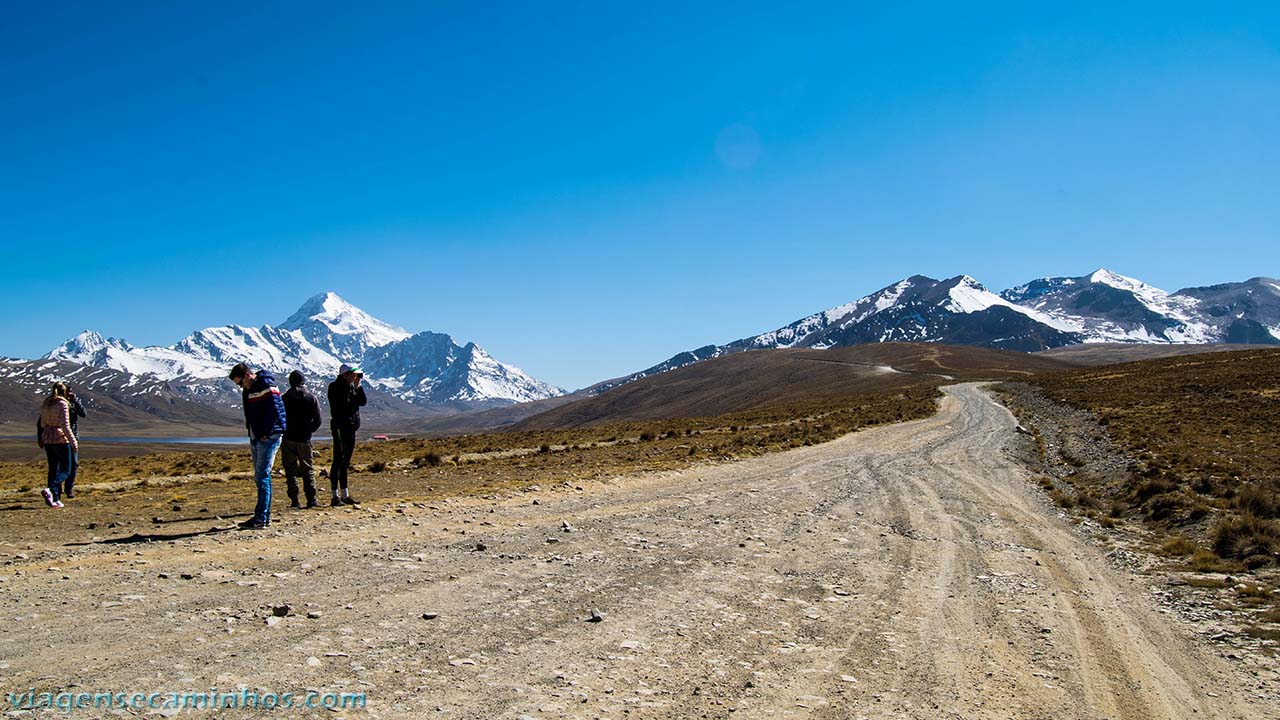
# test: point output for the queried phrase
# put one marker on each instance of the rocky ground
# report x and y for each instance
(1068, 446)
(912, 570)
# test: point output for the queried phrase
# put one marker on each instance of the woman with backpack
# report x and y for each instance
(58, 441)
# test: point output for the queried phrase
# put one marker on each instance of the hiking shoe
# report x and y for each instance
(251, 524)
(336, 502)
(312, 504)
(68, 494)
(47, 494)
(293, 505)
(349, 501)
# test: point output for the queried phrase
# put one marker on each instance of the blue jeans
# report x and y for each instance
(264, 456)
(59, 457)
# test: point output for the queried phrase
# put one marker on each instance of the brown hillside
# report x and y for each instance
(762, 378)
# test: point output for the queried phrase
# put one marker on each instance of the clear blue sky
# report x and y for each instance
(585, 191)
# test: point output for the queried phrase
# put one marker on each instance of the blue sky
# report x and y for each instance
(585, 191)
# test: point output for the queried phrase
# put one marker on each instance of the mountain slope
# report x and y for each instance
(958, 310)
(761, 378)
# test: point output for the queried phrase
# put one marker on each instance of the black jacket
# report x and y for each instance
(77, 412)
(302, 414)
(345, 401)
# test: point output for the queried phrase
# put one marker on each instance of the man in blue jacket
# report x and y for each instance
(264, 417)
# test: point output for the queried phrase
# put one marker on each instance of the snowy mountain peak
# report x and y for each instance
(1103, 276)
(87, 343)
(967, 295)
(340, 328)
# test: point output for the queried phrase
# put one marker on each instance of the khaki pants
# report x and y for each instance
(297, 462)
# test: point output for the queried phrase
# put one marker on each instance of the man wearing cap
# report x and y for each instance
(303, 414)
(265, 419)
(346, 397)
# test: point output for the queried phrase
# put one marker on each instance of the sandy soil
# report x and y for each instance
(909, 571)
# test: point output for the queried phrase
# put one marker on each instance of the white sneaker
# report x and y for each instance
(56, 504)
(47, 494)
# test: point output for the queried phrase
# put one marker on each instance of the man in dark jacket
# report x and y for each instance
(302, 411)
(346, 397)
(77, 412)
(265, 419)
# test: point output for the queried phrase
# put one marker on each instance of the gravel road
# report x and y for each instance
(909, 571)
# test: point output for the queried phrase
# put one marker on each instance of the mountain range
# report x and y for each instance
(427, 369)
(1101, 307)
(427, 375)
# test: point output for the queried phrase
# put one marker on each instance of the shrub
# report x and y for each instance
(646, 436)
(1178, 546)
(431, 459)
(1257, 501)
(544, 448)
(377, 466)
(1062, 499)
(1246, 536)
(1151, 488)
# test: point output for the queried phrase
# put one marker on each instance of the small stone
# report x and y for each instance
(313, 661)
(314, 615)
(164, 576)
(1046, 630)
(565, 526)
(430, 615)
(596, 616)
(629, 645)
(462, 661)
(481, 547)
(281, 610)
(272, 621)
(187, 576)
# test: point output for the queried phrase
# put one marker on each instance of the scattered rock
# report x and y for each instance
(596, 616)
(430, 615)
(313, 661)
(314, 614)
(481, 547)
(281, 610)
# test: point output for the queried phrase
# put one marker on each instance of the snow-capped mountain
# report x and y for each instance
(1100, 307)
(1106, 307)
(327, 331)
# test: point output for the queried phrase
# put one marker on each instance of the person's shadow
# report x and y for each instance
(154, 537)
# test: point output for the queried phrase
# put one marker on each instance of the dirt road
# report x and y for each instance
(903, 572)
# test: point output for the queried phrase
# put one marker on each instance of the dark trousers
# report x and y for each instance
(71, 475)
(344, 444)
(296, 455)
(59, 457)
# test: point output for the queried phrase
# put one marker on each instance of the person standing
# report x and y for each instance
(264, 417)
(58, 441)
(346, 397)
(302, 414)
(77, 412)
